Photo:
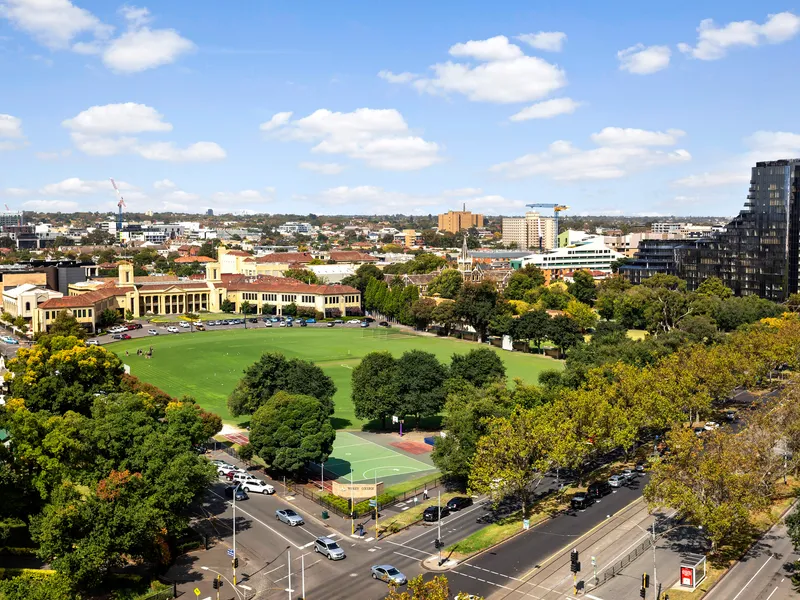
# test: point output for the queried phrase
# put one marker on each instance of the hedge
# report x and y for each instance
(33, 573)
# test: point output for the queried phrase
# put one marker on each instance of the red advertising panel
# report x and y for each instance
(687, 576)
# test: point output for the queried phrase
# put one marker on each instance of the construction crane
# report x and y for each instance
(557, 208)
(121, 204)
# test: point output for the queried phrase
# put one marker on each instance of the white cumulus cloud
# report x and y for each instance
(110, 129)
(141, 49)
(467, 191)
(379, 137)
(619, 136)
(10, 127)
(51, 205)
(619, 152)
(53, 23)
(644, 60)
(491, 70)
(165, 184)
(713, 179)
(547, 109)
(713, 42)
(551, 41)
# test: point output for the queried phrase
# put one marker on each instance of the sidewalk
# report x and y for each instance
(188, 572)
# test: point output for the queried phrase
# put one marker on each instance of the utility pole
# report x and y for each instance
(352, 506)
(219, 582)
(439, 522)
(655, 575)
(303, 574)
(376, 504)
(289, 565)
(233, 561)
(322, 481)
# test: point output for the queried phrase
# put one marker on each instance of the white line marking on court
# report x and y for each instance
(427, 466)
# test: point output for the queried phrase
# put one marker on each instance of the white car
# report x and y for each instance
(710, 425)
(256, 486)
(152, 332)
(88, 342)
(173, 329)
(615, 481)
(198, 323)
(185, 325)
(243, 476)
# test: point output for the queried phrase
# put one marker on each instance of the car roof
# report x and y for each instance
(384, 567)
(326, 540)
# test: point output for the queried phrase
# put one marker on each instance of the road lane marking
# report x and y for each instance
(407, 556)
(753, 577)
(773, 593)
(262, 522)
(458, 514)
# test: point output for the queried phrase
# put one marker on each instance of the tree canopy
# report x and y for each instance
(273, 373)
(290, 430)
(374, 385)
(478, 367)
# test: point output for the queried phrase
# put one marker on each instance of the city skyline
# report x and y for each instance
(391, 109)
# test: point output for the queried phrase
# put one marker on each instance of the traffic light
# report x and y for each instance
(645, 580)
(437, 543)
(236, 563)
(215, 584)
(642, 593)
(575, 565)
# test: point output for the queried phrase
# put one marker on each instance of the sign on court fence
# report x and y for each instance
(356, 490)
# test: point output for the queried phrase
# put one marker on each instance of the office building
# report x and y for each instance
(454, 221)
(590, 254)
(531, 232)
(11, 217)
(653, 256)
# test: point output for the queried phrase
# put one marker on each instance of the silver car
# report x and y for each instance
(288, 516)
(327, 547)
(388, 574)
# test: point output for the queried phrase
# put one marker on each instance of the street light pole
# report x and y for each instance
(289, 565)
(655, 574)
(352, 506)
(303, 574)
(439, 521)
(376, 503)
(233, 562)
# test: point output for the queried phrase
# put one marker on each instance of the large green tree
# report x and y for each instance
(532, 327)
(66, 325)
(447, 284)
(420, 384)
(477, 305)
(291, 430)
(303, 275)
(374, 385)
(564, 333)
(273, 373)
(523, 280)
(583, 287)
(478, 367)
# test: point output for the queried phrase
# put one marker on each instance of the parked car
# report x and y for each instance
(616, 481)
(364, 324)
(338, 321)
(311, 320)
(199, 328)
(252, 320)
(383, 324)
(152, 332)
(598, 489)
(711, 425)
(117, 336)
(126, 336)
(257, 486)
(388, 574)
(185, 325)
(699, 430)
(283, 324)
(628, 474)
(242, 476)
(234, 491)
(268, 324)
(289, 324)
(173, 329)
(88, 342)
(303, 324)
(331, 324)
(327, 547)
(433, 513)
(288, 516)
(640, 467)
(581, 501)
(730, 415)
(459, 502)
(274, 319)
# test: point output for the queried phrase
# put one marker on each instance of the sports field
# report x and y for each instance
(355, 458)
(208, 364)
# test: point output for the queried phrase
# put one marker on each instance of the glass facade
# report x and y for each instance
(757, 253)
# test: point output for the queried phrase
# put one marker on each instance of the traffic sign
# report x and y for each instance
(373, 502)
(197, 592)
(230, 553)
(526, 524)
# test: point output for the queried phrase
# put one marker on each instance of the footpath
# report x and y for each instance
(613, 557)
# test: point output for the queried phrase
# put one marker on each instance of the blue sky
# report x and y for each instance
(415, 107)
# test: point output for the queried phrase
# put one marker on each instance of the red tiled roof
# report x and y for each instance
(187, 260)
(285, 257)
(82, 300)
(240, 283)
(352, 256)
(238, 253)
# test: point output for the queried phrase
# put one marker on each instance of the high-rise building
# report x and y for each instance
(456, 220)
(757, 252)
(531, 232)
(210, 212)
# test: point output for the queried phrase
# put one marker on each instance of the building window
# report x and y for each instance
(27, 306)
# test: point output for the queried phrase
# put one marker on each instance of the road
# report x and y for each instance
(764, 573)
(501, 572)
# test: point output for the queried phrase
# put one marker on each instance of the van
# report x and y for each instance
(598, 489)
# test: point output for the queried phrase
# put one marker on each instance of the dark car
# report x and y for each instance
(253, 320)
(303, 324)
(432, 513)
(581, 501)
(459, 502)
(235, 489)
(383, 324)
(598, 489)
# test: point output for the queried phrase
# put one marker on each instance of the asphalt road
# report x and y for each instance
(764, 573)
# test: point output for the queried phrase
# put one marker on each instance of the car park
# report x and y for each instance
(388, 574)
(152, 332)
(327, 547)
(434, 513)
(616, 481)
(598, 489)
(173, 329)
(459, 502)
(581, 501)
(235, 492)
(288, 516)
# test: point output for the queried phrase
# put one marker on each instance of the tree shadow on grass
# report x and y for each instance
(340, 423)
(425, 424)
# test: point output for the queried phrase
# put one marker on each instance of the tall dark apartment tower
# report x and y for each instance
(757, 253)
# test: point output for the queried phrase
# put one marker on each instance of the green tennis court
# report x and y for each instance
(357, 459)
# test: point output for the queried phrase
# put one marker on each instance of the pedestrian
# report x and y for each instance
(126, 353)
(425, 494)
